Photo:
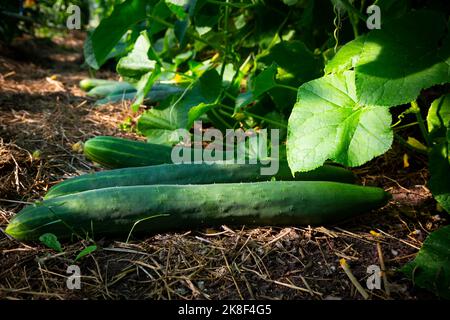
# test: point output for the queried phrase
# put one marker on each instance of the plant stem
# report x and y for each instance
(220, 118)
(395, 128)
(422, 127)
(404, 143)
(233, 5)
(283, 125)
(225, 56)
(285, 86)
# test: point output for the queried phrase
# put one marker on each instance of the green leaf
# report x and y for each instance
(144, 86)
(178, 7)
(86, 251)
(165, 137)
(51, 241)
(183, 111)
(327, 122)
(296, 64)
(431, 267)
(347, 57)
(439, 163)
(197, 111)
(137, 63)
(262, 83)
(392, 9)
(111, 29)
(180, 29)
(161, 11)
(294, 60)
(205, 16)
(140, 66)
(401, 59)
(438, 118)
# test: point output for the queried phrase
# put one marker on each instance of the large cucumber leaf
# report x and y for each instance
(347, 57)
(438, 120)
(439, 163)
(111, 29)
(327, 122)
(395, 63)
(431, 267)
(401, 59)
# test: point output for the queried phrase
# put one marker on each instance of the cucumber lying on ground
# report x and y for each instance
(112, 152)
(111, 89)
(89, 83)
(192, 174)
(158, 92)
(119, 211)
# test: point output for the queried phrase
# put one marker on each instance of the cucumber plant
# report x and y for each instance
(312, 69)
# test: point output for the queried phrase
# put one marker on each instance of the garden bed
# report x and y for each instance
(43, 115)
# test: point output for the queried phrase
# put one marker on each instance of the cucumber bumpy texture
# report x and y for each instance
(121, 211)
(193, 174)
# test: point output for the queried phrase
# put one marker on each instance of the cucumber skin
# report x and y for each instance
(113, 212)
(112, 152)
(192, 174)
(105, 90)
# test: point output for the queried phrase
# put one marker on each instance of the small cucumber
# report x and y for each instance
(89, 83)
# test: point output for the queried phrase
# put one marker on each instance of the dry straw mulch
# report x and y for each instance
(43, 115)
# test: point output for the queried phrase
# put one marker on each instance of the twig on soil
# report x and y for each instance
(382, 265)
(353, 280)
(401, 240)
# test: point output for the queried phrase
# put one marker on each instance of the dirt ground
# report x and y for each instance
(43, 114)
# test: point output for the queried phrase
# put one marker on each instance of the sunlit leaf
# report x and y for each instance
(438, 118)
(327, 123)
(111, 29)
(401, 59)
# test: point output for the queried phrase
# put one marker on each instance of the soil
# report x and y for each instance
(44, 114)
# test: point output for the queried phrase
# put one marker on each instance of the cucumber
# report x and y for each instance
(113, 98)
(118, 211)
(111, 89)
(89, 83)
(112, 152)
(159, 92)
(192, 174)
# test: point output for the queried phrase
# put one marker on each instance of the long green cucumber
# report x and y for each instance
(111, 89)
(193, 174)
(119, 211)
(112, 152)
(159, 92)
